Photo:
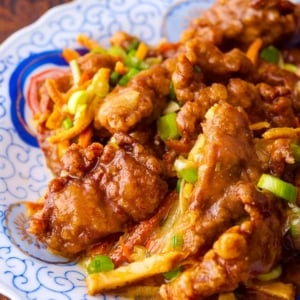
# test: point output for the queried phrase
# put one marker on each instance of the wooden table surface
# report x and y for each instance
(15, 14)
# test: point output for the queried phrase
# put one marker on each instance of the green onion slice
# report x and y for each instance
(270, 54)
(273, 274)
(295, 151)
(177, 241)
(117, 51)
(129, 75)
(67, 123)
(172, 92)
(100, 263)
(278, 187)
(76, 99)
(186, 169)
(172, 274)
(133, 45)
(167, 127)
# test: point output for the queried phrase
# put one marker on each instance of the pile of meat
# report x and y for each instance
(122, 186)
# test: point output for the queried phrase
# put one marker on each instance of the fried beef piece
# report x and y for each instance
(91, 62)
(187, 80)
(101, 192)
(216, 65)
(235, 222)
(237, 23)
(238, 92)
(143, 98)
(192, 113)
(284, 83)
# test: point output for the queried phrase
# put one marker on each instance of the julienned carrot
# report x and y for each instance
(87, 42)
(70, 54)
(85, 137)
(253, 50)
(53, 91)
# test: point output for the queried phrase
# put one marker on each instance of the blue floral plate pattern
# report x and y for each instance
(27, 270)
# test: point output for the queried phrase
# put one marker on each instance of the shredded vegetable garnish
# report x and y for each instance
(172, 274)
(186, 170)
(157, 152)
(100, 263)
(278, 187)
(253, 50)
(167, 126)
(270, 54)
(273, 274)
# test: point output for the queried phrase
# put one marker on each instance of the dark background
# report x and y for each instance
(15, 14)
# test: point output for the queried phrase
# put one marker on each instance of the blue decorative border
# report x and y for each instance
(17, 85)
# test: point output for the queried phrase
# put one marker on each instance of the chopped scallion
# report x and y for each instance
(278, 187)
(172, 106)
(273, 274)
(167, 127)
(295, 151)
(114, 77)
(77, 98)
(100, 263)
(177, 241)
(133, 45)
(67, 123)
(172, 92)
(186, 169)
(172, 274)
(129, 75)
(117, 51)
(270, 54)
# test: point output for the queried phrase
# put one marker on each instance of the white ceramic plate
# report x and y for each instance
(27, 270)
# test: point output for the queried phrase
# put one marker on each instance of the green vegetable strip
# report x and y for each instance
(270, 54)
(100, 263)
(177, 242)
(67, 123)
(190, 174)
(295, 151)
(172, 274)
(167, 127)
(129, 75)
(278, 187)
(273, 274)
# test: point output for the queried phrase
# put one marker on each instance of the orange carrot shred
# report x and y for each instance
(85, 137)
(70, 54)
(125, 250)
(253, 50)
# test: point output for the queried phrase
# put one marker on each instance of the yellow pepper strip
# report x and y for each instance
(120, 68)
(100, 83)
(141, 51)
(253, 50)
(70, 54)
(281, 132)
(260, 125)
(87, 42)
(52, 90)
(55, 118)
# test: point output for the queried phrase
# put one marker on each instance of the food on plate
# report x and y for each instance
(176, 166)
